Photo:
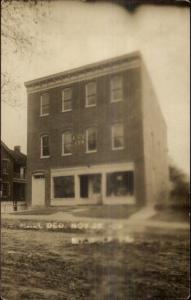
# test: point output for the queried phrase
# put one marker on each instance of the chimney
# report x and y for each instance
(17, 149)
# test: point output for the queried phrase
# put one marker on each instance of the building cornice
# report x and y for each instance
(85, 73)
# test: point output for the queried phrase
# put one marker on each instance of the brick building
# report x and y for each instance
(96, 134)
(13, 179)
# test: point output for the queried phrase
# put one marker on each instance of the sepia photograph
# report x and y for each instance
(95, 150)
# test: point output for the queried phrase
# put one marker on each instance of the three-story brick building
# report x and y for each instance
(96, 134)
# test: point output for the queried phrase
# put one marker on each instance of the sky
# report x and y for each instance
(76, 33)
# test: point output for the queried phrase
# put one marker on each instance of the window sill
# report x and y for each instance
(67, 110)
(92, 105)
(42, 157)
(121, 148)
(93, 151)
(66, 154)
(45, 115)
(116, 100)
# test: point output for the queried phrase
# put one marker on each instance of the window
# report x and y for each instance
(91, 94)
(67, 143)
(45, 151)
(90, 184)
(5, 166)
(64, 187)
(5, 189)
(44, 104)
(117, 137)
(67, 99)
(116, 89)
(91, 140)
(22, 172)
(120, 183)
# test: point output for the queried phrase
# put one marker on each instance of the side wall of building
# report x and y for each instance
(155, 143)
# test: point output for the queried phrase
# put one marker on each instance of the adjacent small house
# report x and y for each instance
(13, 178)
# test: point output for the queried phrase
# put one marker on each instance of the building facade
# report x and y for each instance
(96, 135)
(13, 178)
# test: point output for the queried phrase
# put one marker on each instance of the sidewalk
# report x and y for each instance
(137, 222)
(143, 218)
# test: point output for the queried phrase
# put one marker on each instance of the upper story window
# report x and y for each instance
(91, 140)
(67, 143)
(5, 166)
(116, 88)
(44, 104)
(22, 172)
(67, 99)
(45, 147)
(5, 189)
(91, 94)
(117, 132)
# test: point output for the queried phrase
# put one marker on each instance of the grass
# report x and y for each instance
(40, 266)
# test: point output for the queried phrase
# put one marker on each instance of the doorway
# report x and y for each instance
(38, 190)
(90, 186)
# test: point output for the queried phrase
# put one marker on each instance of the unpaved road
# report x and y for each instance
(41, 265)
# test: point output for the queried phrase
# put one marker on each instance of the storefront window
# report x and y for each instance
(120, 183)
(64, 187)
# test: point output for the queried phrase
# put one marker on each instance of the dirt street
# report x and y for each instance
(42, 265)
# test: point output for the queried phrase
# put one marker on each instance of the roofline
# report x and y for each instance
(135, 54)
(10, 150)
(5, 146)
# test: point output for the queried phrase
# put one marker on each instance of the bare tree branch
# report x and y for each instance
(17, 19)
